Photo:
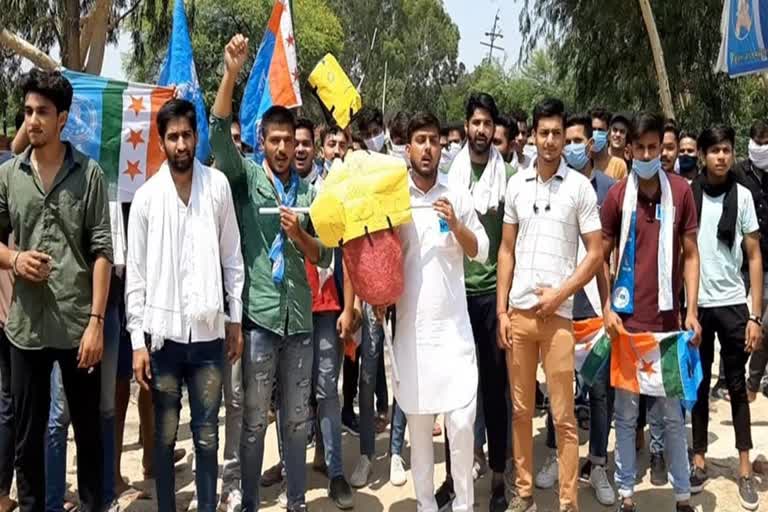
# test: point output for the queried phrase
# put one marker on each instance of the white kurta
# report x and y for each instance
(433, 344)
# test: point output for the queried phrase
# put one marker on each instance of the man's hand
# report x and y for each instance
(503, 331)
(33, 266)
(289, 222)
(91, 345)
(444, 210)
(692, 324)
(142, 370)
(549, 301)
(612, 322)
(348, 323)
(235, 53)
(753, 337)
(234, 342)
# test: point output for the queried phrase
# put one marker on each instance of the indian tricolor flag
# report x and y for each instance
(593, 348)
(657, 364)
(114, 123)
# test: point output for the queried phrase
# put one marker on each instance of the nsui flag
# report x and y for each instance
(593, 348)
(657, 364)
(744, 48)
(114, 123)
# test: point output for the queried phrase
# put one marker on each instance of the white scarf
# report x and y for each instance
(198, 254)
(666, 299)
(489, 190)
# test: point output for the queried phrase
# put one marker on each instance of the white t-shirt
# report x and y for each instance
(551, 217)
(720, 279)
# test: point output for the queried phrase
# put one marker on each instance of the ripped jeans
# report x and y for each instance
(200, 366)
(286, 362)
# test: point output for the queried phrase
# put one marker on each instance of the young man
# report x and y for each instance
(617, 136)
(456, 134)
(481, 170)
(670, 148)
(370, 123)
(727, 220)
(304, 157)
(688, 157)
(277, 303)
(504, 137)
(334, 143)
(432, 319)
(183, 219)
(615, 168)
(524, 159)
(646, 290)
(548, 208)
(587, 304)
(61, 267)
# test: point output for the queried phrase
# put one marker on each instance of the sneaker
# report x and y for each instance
(747, 493)
(585, 472)
(234, 501)
(626, 508)
(604, 493)
(498, 501)
(719, 391)
(350, 423)
(115, 506)
(519, 504)
(547, 475)
(658, 470)
(299, 507)
(282, 499)
(340, 493)
(445, 495)
(272, 476)
(698, 480)
(362, 473)
(480, 465)
(380, 424)
(684, 508)
(397, 476)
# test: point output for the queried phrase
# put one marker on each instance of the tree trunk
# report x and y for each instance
(658, 59)
(98, 40)
(22, 48)
(70, 35)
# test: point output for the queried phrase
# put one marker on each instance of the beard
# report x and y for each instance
(481, 147)
(181, 164)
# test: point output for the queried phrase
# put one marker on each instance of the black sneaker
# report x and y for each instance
(498, 501)
(684, 508)
(747, 493)
(350, 422)
(658, 469)
(340, 493)
(445, 495)
(585, 471)
(626, 508)
(698, 480)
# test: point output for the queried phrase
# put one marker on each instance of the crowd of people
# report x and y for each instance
(517, 231)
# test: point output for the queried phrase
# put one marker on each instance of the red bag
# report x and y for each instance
(375, 265)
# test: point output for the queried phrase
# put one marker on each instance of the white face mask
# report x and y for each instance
(454, 148)
(376, 143)
(758, 154)
(399, 150)
(530, 151)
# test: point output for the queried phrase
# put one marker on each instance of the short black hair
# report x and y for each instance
(549, 107)
(275, 115)
(51, 85)
(621, 117)
(459, 127)
(602, 114)
(717, 134)
(369, 116)
(334, 129)
(420, 121)
(358, 139)
(509, 124)
(759, 129)
(175, 109)
(644, 123)
(580, 119)
(520, 116)
(688, 134)
(307, 124)
(670, 125)
(398, 125)
(481, 100)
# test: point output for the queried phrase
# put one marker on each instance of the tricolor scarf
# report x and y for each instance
(277, 251)
(623, 298)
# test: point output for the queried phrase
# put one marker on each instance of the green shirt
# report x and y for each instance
(71, 224)
(285, 309)
(480, 278)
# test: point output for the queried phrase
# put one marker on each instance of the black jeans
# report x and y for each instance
(7, 428)
(31, 388)
(729, 323)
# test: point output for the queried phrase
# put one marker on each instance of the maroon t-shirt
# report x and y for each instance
(647, 316)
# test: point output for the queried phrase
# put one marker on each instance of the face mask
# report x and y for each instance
(398, 150)
(687, 163)
(758, 154)
(375, 143)
(530, 151)
(601, 140)
(454, 148)
(646, 170)
(576, 156)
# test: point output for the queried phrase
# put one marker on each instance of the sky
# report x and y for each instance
(473, 17)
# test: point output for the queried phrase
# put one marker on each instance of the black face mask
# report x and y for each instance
(687, 163)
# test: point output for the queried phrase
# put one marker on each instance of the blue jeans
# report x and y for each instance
(59, 420)
(200, 366)
(656, 429)
(269, 357)
(627, 405)
(329, 352)
(397, 430)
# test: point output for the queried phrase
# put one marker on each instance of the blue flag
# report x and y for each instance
(179, 69)
(744, 48)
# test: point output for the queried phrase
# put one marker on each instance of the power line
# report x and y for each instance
(493, 35)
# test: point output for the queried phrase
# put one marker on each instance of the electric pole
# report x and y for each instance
(493, 35)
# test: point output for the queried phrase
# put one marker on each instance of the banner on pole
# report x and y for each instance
(744, 27)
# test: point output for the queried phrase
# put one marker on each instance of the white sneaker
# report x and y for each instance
(282, 500)
(114, 506)
(192, 505)
(548, 474)
(234, 501)
(397, 476)
(362, 473)
(598, 479)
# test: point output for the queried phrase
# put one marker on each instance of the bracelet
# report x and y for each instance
(13, 265)
(100, 318)
(756, 319)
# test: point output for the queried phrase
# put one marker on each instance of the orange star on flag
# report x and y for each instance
(135, 138)
(137, 104)
(646, 367)
(133, 169)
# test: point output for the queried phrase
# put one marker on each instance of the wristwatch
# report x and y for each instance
(756, 319)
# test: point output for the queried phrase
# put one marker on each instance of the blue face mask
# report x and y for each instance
(601, 140)
(687, 163)
(576, 156)
(646, 170)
